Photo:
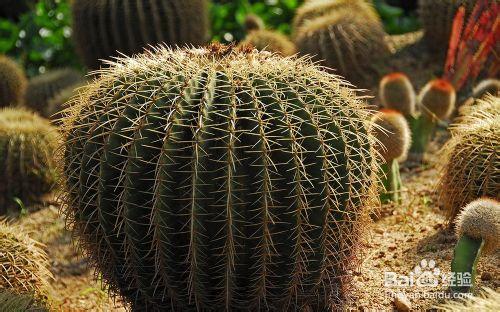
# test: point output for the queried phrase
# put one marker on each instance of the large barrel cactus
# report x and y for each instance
(103, 27)
(219, 179)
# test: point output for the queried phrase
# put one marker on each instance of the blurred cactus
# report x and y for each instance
(393, 135)
(27, 165)
(57, 104)
(397, 93)
(253, 22)
(272, 41)
(23, 263)
(13, 302)
(101, 28)
(487, 86)
(471, 164)
(42, 89)
(219, 179)
(478, 229)
(350, 42)
(12, 82)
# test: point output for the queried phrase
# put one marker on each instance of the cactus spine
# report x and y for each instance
(12, 83)
(345, 41)
(42, 89)
(27, 167)
(488, 300)
(397, 93)
(471, 164)
(478, 229)
(101, 27)
(392, 132)
(487, 86)
(219, 179)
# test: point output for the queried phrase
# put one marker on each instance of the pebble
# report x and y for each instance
(402, 303)
(486, 276)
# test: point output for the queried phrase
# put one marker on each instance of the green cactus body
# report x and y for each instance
(12, 83)
(219, 179)
(102, 27)
(42, 89)
(272, 41)
(27, 168)
(465, 258)
(347, 42)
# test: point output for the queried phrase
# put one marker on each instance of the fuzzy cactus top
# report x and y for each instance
(437, 98)
(396, 92)
(13, 82)
(481, 220)
(392, 131)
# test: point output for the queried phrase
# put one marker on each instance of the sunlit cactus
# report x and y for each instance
(27, 165)
(101, 28)
(474, 109)
(478, 229)
(347, 42)
(219, 179)
(269, 40)
(42, 89)
(471, 163)
(12, 82)
(23, 263)
(396, 92)
(393, 135)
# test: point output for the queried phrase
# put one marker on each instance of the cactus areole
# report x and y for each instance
(219, 179)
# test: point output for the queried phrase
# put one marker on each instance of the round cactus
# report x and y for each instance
(27, 167)
(272, 41)
(12, 82)
(23, 263)
(101, 27)
(347, 42)
(475, 109)
(487, 86)
(471, 163)
(219, 179)
(437, 17)
(478, 229)
(56, 105)
(396, 92)
(393, 135)
(253, 22)
(44, 88)
(437, 99)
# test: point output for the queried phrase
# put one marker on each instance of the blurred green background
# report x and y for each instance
(41, 38)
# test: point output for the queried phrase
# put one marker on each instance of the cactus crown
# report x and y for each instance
(24, 266)
(470, 112)
(272, 41)
(223, 178)
(253, 22)
(27, 144)
(471, 163)
(44, 88)
(12, 82)
(481, 220)
(397, 92)
(438, 98)
(487, 86)
(392, 131)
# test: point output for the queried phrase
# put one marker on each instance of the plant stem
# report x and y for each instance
(465, 258)
(391, 182)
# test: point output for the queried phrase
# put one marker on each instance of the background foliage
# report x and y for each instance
(41, 39)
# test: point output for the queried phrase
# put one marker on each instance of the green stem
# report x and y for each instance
(391, 181)
(422, 129)
(463, 266)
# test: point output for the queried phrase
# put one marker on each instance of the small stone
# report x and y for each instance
(486, 276)
(392, 247)
(379, 231)
(402, 303)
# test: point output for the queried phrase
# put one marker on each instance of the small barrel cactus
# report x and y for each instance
(253, 22)
(56, 105)
(347, 42)
(396, 92)
(23, 263)
(219, 179)
(487, 86)
(437, 17)
(471, 164)
(478, 229)
(272, 41)
(27, 166)
(101, 27)
(12, 82)
(44, 88)
(393, 135)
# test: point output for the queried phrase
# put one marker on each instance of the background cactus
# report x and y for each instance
(471, 163)
(12, 302)
(23, 263)
(101, 28)
(42, 89)
(346, 41)
(219, 178)
(253, 22)
(12, 82)
(57, 104)
(27, 167)
(397, 93)
(478, 229)
(272, 41)
(393, 135)
(487, 86)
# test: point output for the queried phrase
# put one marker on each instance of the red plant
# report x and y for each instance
(475, 45)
